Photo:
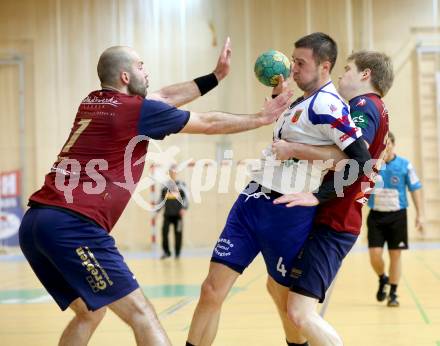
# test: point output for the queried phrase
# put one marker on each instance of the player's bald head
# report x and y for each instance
(113, 61)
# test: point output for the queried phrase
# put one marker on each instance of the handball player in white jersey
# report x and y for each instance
(255, 224)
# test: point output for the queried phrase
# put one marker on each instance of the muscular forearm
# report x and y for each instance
(314, 152)
(182, 93)
(177, 94)
(224, 123)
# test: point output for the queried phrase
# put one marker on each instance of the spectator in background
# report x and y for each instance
(176, 202)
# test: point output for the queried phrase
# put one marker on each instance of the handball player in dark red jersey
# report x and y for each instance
(65, 233)
(367, 78)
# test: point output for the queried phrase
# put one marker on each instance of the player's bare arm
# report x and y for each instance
(183, 93)
(420, 218)
(223, 123)
(357, 151)
(284, 150)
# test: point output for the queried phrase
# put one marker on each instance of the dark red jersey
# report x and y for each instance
(344, 214)
(95, 173)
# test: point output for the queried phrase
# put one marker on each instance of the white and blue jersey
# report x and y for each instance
(323, 118)
(395, 176)
(254, 223)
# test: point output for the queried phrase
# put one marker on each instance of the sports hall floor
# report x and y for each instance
(28, 316)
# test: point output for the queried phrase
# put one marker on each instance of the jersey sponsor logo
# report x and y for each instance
(333, 108)
(296, 116)
(97, 273)
(223, 247)
(362, 102)
(97, 101)
(360, 119)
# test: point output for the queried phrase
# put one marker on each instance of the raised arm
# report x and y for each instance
(183, 93)
(222, 123)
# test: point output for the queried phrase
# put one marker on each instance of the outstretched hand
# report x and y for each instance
(305, 199)
(273, 108)
(224, 61)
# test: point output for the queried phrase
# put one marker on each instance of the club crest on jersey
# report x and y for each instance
(362, 102)
(333, 108)
(296, 116)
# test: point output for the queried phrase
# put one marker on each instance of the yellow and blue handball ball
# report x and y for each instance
(271, 64)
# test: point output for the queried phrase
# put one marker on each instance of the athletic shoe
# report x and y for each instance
(392, 301)
(382, 292)
(165, 256)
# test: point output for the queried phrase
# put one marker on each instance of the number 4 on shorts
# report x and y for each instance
(281, 268)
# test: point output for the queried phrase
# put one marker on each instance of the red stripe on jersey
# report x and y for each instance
(344, 214)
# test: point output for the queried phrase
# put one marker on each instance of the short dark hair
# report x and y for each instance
(324, 48)
(111, 62)
(381, 68)
(391, 137)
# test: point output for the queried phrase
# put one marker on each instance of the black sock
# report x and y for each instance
(383, 277)
(393, 289)
(293, 344)
(189, 344)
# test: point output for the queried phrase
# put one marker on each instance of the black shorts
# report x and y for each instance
(389, 227)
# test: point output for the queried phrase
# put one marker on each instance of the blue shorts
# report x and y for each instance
(319, 260)
(74, 258)
(256, 224)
